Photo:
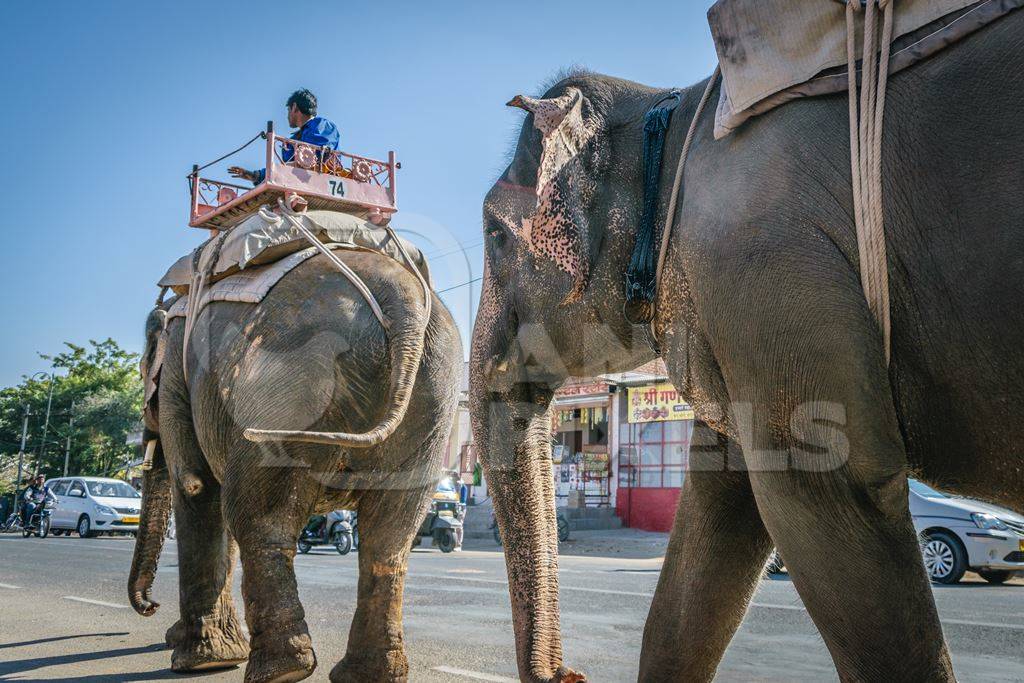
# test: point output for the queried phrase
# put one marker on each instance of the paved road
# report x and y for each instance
(64, 616)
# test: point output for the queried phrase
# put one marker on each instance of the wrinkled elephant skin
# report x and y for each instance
(804, 437)
(310, 356)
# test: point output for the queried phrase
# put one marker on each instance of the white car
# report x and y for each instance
(94, 505)
(958, 534)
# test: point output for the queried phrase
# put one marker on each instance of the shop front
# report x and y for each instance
(581, 423)
(655, 426)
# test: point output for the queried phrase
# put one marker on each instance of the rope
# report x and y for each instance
(866, 154)
(195, 292)
(261, 134)
(677, 183)
(641, 281)
(331, 256)
(415, 271)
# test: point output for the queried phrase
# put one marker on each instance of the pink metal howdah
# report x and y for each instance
(326, 178)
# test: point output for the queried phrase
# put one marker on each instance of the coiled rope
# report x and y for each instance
(866, 153)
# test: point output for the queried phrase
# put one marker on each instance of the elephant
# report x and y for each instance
(311, 355)
(804, 435)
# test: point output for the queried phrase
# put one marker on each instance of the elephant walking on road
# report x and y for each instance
(805, 435)
(378, 406)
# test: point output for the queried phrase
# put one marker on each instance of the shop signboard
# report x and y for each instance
(656, 403)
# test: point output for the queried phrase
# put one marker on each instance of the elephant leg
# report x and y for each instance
(828, 468)
(388, 520)
(715, 559)
(281, 647)
(853, 555)
(208, 634)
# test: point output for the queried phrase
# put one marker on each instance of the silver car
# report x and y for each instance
(958, 534)
(94, 505)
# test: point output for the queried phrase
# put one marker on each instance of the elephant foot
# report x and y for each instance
(387, 666)
(281, 658)
(210, 643)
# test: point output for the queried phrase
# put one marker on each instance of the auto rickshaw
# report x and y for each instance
(443, 522)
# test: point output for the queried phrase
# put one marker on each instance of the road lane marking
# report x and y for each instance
(95, 602)
(956, 622)
(986, 624)
(768, 605)
(10, 586)
(476, 675)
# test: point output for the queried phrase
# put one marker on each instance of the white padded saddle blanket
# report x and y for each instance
(257, 241)
(250, 285)
(773, 51)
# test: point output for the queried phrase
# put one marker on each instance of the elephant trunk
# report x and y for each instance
(156, 512)
(406, 345)
(510, 412)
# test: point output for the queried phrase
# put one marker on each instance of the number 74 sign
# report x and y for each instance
(337, 188)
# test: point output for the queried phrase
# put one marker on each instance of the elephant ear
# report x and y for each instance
(558, 228)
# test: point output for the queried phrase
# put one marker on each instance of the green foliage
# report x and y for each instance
(102, 381)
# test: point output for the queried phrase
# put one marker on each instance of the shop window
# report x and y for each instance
(653, 454)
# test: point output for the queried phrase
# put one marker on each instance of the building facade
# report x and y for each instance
(620, 441)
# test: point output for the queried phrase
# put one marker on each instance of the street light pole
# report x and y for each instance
(21, 451)
(67, 448)
(46, 426)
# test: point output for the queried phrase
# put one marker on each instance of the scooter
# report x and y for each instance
(335, 528)
(39, 522)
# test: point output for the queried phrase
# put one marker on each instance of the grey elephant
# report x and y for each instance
(310, 356)
(805, 435)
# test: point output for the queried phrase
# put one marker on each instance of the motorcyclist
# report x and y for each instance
(34, 496)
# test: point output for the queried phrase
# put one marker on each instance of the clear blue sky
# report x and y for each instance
(108, 104)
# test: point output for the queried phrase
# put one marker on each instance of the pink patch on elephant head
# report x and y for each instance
(551, 231)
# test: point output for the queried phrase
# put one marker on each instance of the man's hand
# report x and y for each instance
(239, 172)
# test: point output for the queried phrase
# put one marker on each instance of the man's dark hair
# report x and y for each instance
(304, 100)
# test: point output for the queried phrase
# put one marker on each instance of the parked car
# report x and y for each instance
(958, 534)
(94, 505)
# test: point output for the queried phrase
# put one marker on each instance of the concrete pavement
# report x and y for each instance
(64, 615)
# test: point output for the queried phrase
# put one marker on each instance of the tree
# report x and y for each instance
(102, 381)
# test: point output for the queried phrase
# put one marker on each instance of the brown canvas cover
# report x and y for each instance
(773, 51)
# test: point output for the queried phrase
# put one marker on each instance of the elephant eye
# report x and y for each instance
(497, 234)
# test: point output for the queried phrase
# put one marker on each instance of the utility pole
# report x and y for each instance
(21, 451)
(46, 426)
(67, 448)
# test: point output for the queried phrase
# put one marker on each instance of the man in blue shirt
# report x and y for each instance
(313, 129)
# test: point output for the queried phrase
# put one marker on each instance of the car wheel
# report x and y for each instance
(563, 528)
(304, 547)
(446, 541)
(343, 543)
(995, 576)
(944, 557)
(84, 527)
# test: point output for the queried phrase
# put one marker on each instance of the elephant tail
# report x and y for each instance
(406, 346)
(156, 513)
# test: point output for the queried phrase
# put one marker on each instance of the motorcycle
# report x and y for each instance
(563, 527)
(335, 528)
(443, 522)
(39, 522)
